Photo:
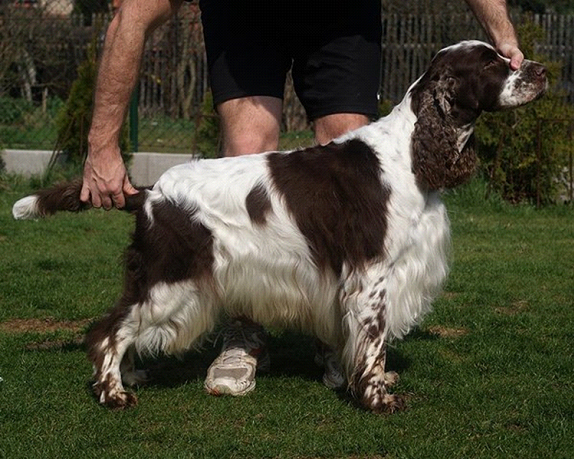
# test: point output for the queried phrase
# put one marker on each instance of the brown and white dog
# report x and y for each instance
(346, 241)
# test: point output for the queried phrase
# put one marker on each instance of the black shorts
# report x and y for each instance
(332, 46)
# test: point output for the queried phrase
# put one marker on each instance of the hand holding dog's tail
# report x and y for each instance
(62, 197)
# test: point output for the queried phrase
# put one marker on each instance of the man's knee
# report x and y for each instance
(250, 124)
(246, 142)
(332, 126)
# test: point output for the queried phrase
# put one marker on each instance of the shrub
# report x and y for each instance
(12, 110)
(523, 151)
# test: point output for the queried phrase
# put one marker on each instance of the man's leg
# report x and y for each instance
(250, 124)
(247, 63)
(332, 126)
(243, 353)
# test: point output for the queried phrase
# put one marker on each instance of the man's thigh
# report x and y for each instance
(246, 57)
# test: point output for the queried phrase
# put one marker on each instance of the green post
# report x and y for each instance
(134, 120)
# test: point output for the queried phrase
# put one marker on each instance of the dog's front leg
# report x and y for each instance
(364, 354)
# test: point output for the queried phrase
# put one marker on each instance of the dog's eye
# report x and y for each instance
(490, 63)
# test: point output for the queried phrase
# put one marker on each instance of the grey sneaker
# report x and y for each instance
(325, 357)
(244, 351)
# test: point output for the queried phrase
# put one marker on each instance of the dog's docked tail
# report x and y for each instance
(63, 197)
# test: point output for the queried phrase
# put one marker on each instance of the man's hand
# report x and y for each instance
(106, 181)
(511, 51)
(494, 18)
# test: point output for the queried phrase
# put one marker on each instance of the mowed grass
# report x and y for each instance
(489, 374)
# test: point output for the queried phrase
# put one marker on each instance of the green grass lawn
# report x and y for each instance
(489, 374)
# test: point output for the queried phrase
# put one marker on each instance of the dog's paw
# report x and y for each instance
(114, 396)
(384, 403)
(376, 399)
(118, 400)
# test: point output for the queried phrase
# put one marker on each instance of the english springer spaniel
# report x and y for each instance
(347, 241)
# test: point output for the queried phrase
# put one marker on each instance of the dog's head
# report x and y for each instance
(462, 81)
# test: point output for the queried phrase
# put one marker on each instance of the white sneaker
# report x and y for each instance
(325, 357)
(243, 352)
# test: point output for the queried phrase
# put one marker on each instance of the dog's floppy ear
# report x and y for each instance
(436, 160)
(443, 91)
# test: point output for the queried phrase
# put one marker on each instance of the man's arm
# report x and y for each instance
(493, 16)
(105, 176)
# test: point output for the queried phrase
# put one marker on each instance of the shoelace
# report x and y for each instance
(239, 336)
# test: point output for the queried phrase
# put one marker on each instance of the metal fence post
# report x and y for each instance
(570, 161)
(538, 160)
(134, 122)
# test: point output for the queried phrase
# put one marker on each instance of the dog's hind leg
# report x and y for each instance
(108, 341)
(171, 319)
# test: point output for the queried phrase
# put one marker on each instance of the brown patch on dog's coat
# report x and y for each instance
(258, 204)
(337, 199)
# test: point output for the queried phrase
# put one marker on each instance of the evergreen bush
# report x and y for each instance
(523, 152)
(12, 110)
